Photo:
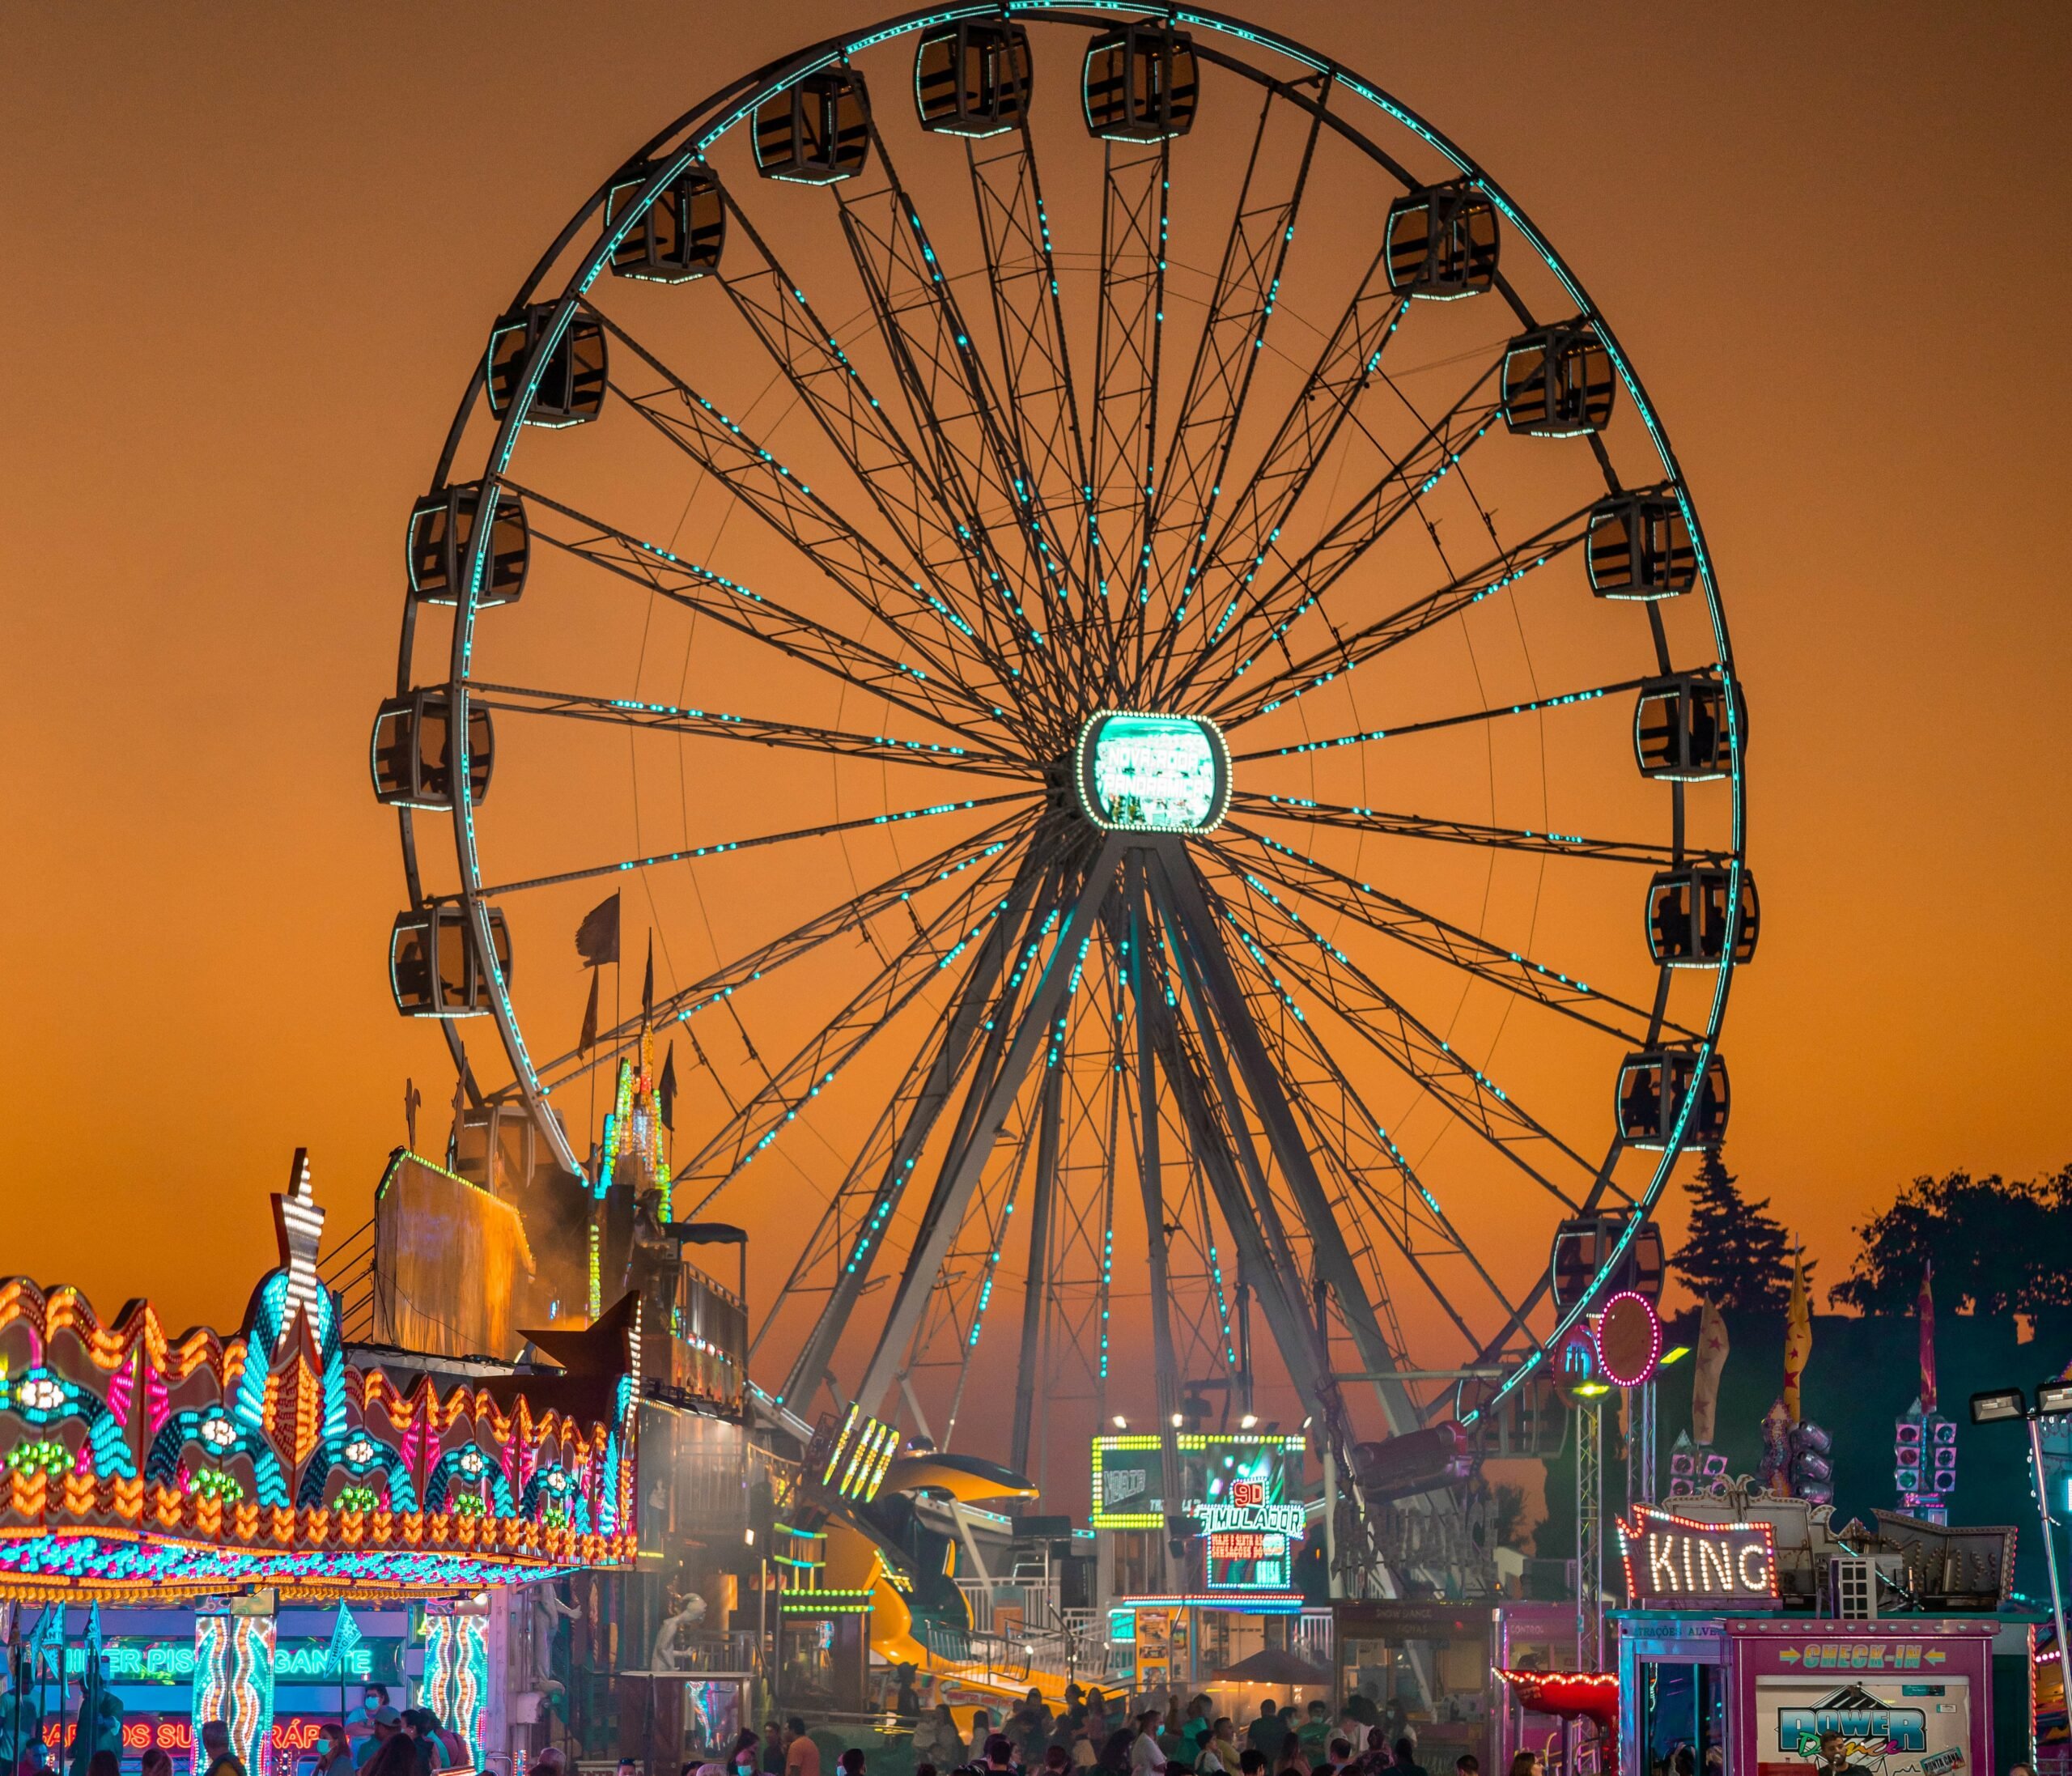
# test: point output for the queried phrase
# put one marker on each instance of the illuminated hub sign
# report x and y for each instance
(1674, 1560)
(1146, 773)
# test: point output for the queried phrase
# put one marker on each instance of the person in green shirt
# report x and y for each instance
(1315, 1733)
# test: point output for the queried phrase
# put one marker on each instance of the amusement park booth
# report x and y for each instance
(1205, 1582)
(1770, 1642)
(254, 1528)
(1436, 1659)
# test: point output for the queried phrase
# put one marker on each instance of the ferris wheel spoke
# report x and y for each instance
(664, 575)
(1010, 1051)
(766, 960)
(1389, 1194)
(1251, 698)
(980, 1004)
(1434, 1065)
(754, 842)
(1192, 912)
(1269, 611)
(1191, 1059)
(1227, 353)
(804, 349)
(825, 540)
(1347, 362)
(938, 943)
(950, 396)
(1041, 403)
(1464, 832)
(715, 725)
(1122, 423)
(1365, 737)
(1390, 916)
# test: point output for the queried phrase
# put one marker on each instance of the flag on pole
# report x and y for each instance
(1924, 1312)
(666, 1090)
(1798, 1340)
(345, 1638)
(1705, 1373)
(588, 1040)
(648, 987)
(597, 938)
(93, 1632)
(49, 1637)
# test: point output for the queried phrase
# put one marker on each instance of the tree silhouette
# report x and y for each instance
(1999, 1246)
(1735, 1256)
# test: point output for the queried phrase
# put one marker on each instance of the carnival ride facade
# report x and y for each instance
(221, 1475)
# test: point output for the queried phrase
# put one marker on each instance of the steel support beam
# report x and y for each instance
(1151, 1178)
(967, 1019)
(1334, 1262)
(1051, 1114)
(962, 1166)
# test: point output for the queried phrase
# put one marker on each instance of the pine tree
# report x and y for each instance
(1735, 1255)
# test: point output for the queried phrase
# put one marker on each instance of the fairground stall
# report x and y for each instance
(1764, 1639)
(1434, 1659)
(254, 1529)
(1200, 1536)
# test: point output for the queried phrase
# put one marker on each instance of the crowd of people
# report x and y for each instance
(1093, 1736)
(375, 1739)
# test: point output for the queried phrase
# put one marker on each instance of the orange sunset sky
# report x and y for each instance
(254, 250)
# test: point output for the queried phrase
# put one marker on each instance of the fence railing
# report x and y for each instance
(347, 1271)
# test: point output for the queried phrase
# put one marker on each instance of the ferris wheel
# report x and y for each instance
(1134, 644)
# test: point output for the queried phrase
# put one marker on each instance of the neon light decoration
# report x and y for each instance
(234, 1681)
(634, 1127)
(857, 1459)
(1146, 773)
(1129, 1481)
(1629, 1339)
(1670, 1559)
(284, 1467)
(1575, 1695)
(455, 1683)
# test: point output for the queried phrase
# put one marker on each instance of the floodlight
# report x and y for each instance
(1998, 1405)
(1177, 1420)
(1248, 1422)
(2053, 1398)
(1121, 1422)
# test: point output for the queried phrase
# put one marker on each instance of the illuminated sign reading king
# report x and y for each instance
(1675, 1559)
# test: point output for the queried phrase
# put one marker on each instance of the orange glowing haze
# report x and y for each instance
(255, 254)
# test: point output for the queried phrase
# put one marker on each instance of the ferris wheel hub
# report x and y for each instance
(1137, 771)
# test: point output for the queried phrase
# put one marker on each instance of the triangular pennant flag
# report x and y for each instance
(666, 1091)
(647, 986)
(93, 1632)
(588, 1040)
(1798, 1340)
(344, 1637)
(597, 938)
(50, 1638)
